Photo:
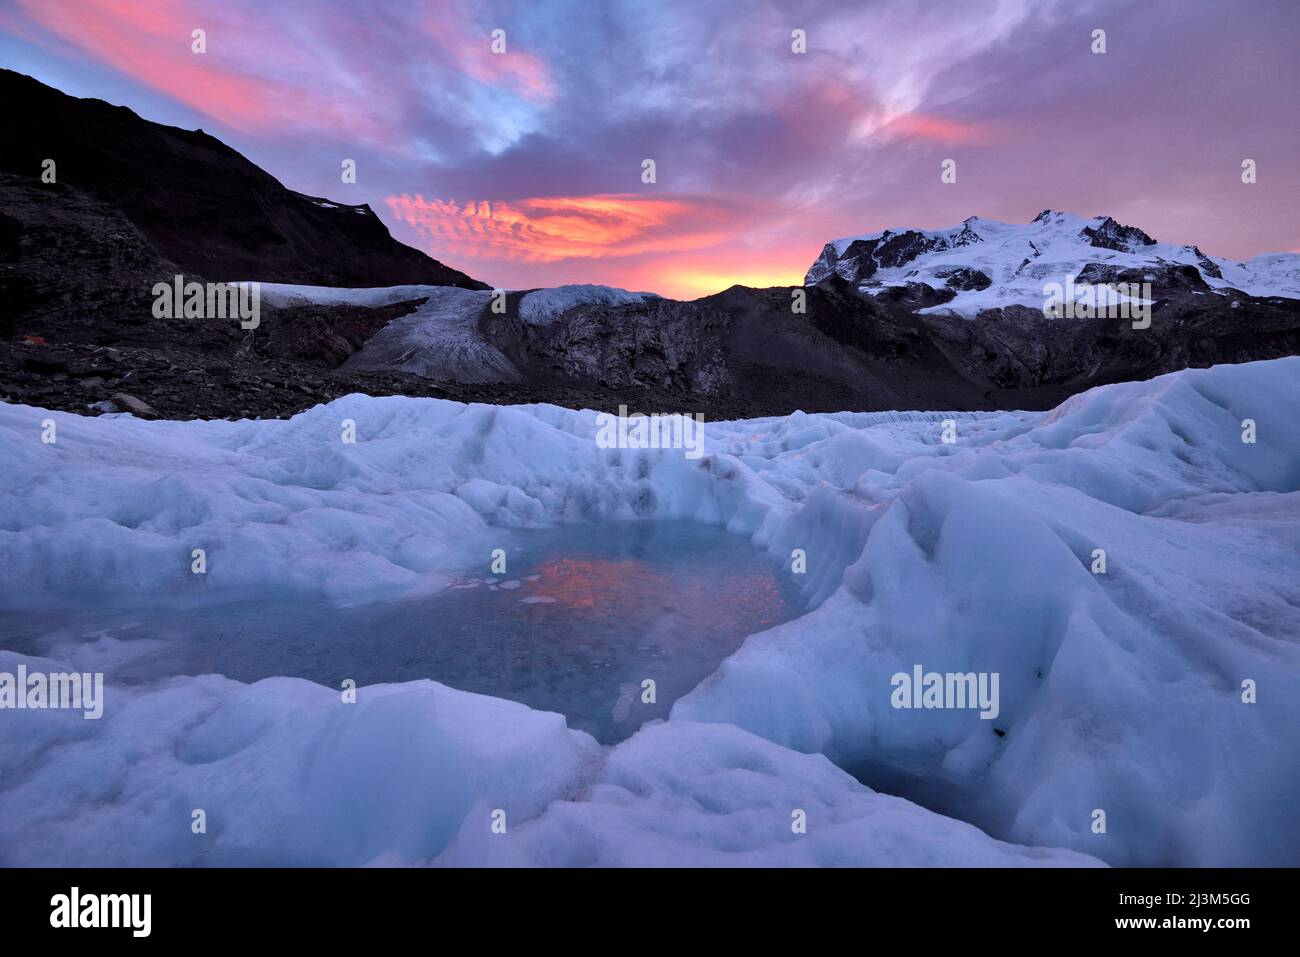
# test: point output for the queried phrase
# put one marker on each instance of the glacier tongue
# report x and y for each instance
(1120, 692)
(440, 339)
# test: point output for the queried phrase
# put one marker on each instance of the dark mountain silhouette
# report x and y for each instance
(200, 204)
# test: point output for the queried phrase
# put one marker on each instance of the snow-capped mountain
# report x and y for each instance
(986, 264)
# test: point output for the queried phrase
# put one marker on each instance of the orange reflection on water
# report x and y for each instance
(622, 584)
(583, 582)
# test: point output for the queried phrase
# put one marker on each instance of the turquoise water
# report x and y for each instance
(586, 614)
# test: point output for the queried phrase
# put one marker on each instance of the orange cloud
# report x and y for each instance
(552, 228)
(747, 260)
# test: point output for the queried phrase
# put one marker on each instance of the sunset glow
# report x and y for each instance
(522, 164)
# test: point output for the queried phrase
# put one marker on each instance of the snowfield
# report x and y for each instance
(1120, 692)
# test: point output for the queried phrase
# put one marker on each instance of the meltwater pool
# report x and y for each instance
(586, 614)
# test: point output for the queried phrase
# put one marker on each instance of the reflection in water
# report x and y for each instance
(585, 615)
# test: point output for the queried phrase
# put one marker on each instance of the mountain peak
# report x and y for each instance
(986, 264)
(164, 180)
(1108, 234)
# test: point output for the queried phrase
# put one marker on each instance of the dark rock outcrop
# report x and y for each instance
(199, 203)
(1111, 235)
(965, 280)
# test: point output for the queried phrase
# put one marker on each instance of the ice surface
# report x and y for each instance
(1120, 692)
(285, 772)
(709, 795)
(288, 774)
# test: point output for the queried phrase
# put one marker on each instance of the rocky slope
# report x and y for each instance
(197, 202)
(847, 350)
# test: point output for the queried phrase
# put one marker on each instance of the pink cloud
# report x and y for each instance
(470, 49)
(151, 43)
(265, 75)
(930, 128)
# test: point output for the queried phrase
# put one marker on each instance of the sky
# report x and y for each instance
(525, 168)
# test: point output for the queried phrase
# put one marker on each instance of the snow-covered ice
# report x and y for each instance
(542, 305)
(288, 775)
(1120, 692)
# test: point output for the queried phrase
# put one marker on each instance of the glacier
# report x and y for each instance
(439, 338)
(542, 306)
(1121, 691)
